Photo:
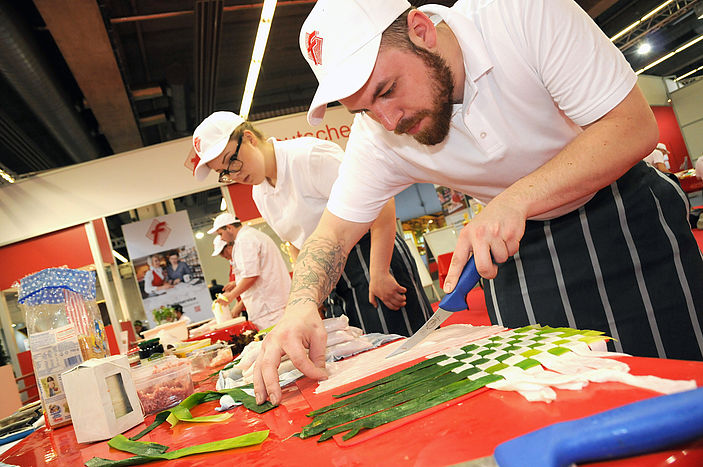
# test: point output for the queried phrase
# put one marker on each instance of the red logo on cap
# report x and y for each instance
(314, 47)
(196, 143)
(192, 161)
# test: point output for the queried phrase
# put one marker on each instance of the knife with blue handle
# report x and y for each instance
(451, 303)
(641, 427)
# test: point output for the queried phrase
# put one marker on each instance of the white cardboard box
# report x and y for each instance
(102, 398)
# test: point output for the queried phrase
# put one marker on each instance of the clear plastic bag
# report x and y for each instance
(64, 328)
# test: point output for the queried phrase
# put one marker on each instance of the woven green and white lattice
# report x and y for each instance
(530, 360)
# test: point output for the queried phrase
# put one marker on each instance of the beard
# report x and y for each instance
(440, 113)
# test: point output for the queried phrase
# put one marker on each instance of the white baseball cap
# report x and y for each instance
(340, 40)
(210, 139)
(222, 220)
(218, 245)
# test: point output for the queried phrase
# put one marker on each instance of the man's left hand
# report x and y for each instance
(385, 287)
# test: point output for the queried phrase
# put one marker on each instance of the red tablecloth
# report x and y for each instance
(462, 430)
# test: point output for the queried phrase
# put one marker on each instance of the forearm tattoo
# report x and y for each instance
(317, 270)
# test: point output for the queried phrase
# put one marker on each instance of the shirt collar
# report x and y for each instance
(279, 153)
(477, 62)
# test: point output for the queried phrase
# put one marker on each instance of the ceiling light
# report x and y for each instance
(117, 255)
(644, 48)
(686, 75)
(223, 205)
(199, 235)
(670, 54)
(257, 55)
(636, 23)
(14, 325)
(9, 178)
(655, 11)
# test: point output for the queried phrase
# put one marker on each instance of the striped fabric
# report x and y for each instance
(352, 291)
(626, 264)
(78, 316)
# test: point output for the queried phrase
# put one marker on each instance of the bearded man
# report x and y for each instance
(528, 107)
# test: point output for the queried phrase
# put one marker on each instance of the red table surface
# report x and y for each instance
(689, 182)
(225, 334)
(464, 429)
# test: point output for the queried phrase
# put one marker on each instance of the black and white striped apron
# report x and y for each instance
(351, 295)
(625, 263)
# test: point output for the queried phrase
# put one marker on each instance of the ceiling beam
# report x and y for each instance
(86, 47)
(596, 7)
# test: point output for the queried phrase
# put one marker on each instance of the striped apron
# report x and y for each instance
(351, 295)
(625, 263)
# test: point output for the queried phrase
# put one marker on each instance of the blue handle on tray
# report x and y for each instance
(644, 426)
(456, 299)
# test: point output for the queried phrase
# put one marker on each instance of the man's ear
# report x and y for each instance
(249, 137)
(421, 30)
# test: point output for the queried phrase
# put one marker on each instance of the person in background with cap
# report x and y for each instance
(223, 249)
(529, 108)
(292, 182)
(263, 281)
(659, 158)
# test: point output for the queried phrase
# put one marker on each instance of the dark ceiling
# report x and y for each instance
(81, 79)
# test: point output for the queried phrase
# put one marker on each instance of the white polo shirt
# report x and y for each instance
(255, 254)
(536, 71)
(306, 169)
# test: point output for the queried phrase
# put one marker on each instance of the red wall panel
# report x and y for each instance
(244, 206)
(103, 241)
(67, 247)
(670, 134)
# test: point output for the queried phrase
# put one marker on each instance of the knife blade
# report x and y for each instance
(452, 302)
(637, 428)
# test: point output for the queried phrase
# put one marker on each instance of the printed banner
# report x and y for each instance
(167, 268)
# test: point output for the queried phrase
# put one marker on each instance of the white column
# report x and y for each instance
(119, 287)
(9, 332)
(104, 282)
(228, 199)
(117, 279)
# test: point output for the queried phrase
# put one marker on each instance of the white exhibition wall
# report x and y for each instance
(688, 107)
(103, 187)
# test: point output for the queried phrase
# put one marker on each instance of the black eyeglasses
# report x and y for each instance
(233, 166)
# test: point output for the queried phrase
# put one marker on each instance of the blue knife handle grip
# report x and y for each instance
(644, 426)
(456, 299)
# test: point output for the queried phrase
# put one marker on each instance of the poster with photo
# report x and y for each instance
(451, 200)
(167, 268)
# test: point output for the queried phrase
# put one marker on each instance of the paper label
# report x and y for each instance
(54, 352)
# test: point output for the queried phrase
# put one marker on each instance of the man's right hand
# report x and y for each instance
(300, 335)
(318, 268)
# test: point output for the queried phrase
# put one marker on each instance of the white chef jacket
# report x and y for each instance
(654, 157)
(536, 71)
(255, 254)
(306, 168)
